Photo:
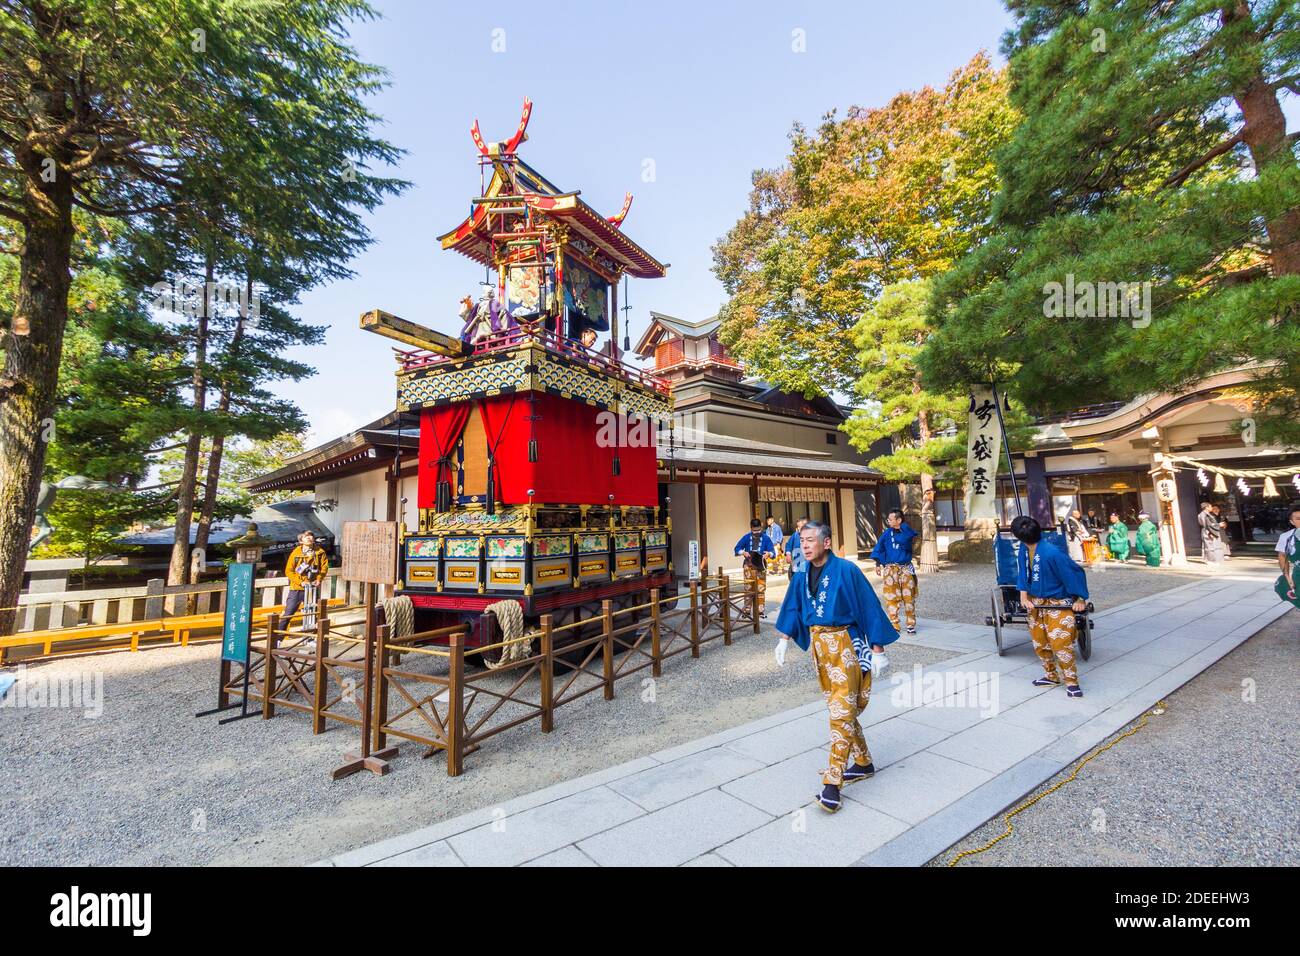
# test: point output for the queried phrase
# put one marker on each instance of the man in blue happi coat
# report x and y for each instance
(754, 550)
(793, 548)
(1052, 589)
(893, 557)
(831, 609)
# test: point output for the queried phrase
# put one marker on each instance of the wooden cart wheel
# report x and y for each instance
(997, 620)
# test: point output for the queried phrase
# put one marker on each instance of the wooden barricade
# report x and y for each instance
(444, 699)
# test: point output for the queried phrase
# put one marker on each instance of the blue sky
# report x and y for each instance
(708, 91)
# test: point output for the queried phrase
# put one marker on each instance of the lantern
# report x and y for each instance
(248, 548)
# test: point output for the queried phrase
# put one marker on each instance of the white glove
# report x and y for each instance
(780, 651)
(878, 663)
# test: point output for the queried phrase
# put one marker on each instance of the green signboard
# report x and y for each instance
(239, 612)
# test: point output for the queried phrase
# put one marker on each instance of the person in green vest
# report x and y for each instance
(1148, 540)
(1117, 539)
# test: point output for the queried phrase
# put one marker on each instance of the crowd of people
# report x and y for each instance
(1089, 539)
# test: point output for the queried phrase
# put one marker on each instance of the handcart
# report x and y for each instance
(1005, 598)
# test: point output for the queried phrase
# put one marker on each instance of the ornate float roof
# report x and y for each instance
(595, 240)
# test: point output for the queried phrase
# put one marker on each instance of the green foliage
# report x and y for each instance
(255, 458)
(883, 196)
(1152, 150)
(888, 337)
(87, 524)
(243, 459)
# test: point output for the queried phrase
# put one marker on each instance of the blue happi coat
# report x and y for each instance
(747, 544)
(1053, 574)
(894, 547)
(843, 599)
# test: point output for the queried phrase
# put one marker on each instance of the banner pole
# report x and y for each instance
(1006, 448)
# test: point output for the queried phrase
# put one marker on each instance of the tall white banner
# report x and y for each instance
(983, 446)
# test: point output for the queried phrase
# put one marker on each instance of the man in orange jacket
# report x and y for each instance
(306, 567)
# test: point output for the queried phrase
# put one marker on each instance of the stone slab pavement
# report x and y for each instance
(954, 745)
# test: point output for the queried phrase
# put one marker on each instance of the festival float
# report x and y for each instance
(538, 470)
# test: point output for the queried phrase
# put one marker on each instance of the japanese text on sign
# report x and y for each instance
(983, 446)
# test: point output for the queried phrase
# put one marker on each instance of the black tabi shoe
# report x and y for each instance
(1046, 682)
(1074, 690)
(858, 772)
(829, 798)
(911, 630)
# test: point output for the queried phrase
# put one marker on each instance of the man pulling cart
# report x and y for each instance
(1054, 603)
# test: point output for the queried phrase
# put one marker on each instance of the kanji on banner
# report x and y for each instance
(983, 445)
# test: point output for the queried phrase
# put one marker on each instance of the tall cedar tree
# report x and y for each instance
(100, 104)
(115, 400)
(1153, 149)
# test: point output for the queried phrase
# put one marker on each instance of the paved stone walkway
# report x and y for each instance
(953, 744)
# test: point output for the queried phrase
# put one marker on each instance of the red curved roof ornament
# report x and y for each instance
(478, 139)
(617, 221)
(524, 117)
(512, 144)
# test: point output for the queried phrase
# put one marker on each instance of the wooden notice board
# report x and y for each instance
(370, 552)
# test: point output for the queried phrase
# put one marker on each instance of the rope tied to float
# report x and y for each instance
(511, 618)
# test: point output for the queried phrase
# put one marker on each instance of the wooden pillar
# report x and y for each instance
(455, 704)
(223, 695)
(726, 610)
(656, 657)
(268, 666)
(321, 675)
(613, 318)
(701, 499)
(607, 645)
(548, 675)
(368, 668)
(839, 520)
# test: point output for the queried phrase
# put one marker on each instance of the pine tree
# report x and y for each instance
(926, 429)
(1153, 151)
(100, 103)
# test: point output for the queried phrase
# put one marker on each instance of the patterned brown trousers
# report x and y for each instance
(1052, 627)
(847, 691)
(900, 589)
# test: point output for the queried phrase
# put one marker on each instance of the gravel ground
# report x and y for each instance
(148, 784)
(1210, 782)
